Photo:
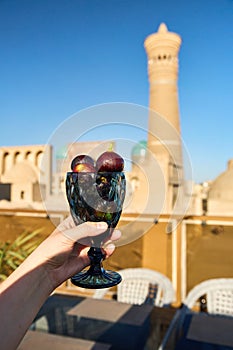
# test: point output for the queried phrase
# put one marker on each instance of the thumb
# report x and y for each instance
(86, 229)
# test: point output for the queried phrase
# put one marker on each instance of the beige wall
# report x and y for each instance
(207, 250)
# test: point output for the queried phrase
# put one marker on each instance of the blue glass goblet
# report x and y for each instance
(96, 197)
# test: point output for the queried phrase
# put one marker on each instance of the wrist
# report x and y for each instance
(41, 268)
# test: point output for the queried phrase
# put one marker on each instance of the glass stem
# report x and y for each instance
(96, 257)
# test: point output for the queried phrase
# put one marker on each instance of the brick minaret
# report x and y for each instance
(164, 126)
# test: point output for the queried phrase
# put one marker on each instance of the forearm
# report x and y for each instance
(59, 257)
(22, 295)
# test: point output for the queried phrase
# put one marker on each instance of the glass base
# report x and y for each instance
(104, 279)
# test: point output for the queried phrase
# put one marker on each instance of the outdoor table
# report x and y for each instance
(119, 326)
(39, 340)
(203, 331)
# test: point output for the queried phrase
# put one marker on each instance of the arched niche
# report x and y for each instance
(6, 162)
(38, 158)
(29, 156)
(18, 157)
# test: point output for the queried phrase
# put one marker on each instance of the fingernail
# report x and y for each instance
(101, 226)
(109, 246)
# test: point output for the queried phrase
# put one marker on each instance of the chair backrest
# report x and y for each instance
(135, 286)
(219, 296)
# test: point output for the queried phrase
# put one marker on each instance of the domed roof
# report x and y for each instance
(222, 187)
(139, 150)
(21, 172)
(61, 153)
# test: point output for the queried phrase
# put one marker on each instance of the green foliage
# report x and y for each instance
(12, 254)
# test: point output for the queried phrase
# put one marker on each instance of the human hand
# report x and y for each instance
(64, 252)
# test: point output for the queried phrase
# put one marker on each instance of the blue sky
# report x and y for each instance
(58, 57)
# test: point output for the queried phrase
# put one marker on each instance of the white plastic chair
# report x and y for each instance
(135, 285)
(219, 298)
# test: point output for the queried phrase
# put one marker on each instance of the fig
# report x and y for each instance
(103, 185)
(110, 161)
(82, 159)
(84, 168)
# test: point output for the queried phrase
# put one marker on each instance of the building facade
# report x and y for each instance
(25, 174)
